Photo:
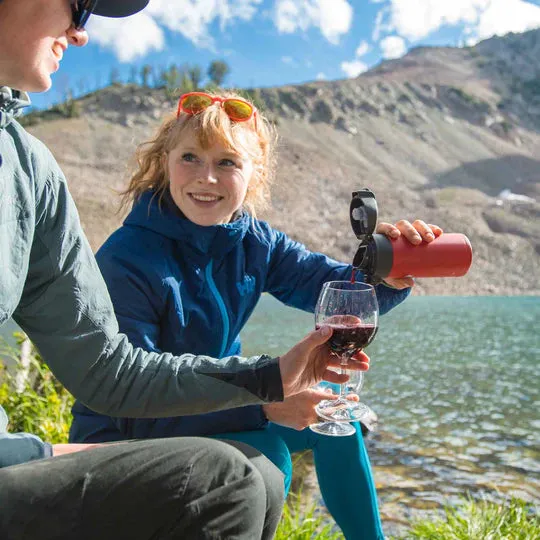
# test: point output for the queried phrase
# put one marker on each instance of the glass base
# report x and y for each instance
(333, 429)
(341, 410)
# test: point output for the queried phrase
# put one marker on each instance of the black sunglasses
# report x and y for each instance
(81, 11)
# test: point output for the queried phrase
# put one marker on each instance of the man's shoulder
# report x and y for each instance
(32, 154)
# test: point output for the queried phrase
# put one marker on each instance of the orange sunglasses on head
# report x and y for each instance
(236, 109)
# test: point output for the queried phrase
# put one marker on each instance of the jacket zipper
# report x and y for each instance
(221, 306)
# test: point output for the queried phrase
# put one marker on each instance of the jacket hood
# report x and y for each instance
(168, 221)
(12, 102)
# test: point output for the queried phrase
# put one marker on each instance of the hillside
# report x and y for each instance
(437, 134)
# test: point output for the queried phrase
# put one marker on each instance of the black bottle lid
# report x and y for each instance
(374, 255)
(363, 213)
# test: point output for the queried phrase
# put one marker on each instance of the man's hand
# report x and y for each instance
(307, 363)
(297, 412)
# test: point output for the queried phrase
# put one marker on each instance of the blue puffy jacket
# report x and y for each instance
(177, 287)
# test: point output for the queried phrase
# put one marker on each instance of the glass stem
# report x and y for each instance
(344, 362)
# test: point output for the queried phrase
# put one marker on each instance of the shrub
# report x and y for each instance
(43, 407)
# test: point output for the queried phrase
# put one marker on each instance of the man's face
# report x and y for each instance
(33, 37)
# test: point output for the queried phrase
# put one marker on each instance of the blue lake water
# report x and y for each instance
(455, 383)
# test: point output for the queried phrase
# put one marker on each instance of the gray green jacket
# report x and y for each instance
(50, 284)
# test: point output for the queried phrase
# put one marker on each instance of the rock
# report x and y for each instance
(369, 107)
(343, 124)
(322, 112)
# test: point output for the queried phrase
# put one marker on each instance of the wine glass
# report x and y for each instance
(351, 310)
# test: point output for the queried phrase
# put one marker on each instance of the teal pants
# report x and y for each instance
(343, 471)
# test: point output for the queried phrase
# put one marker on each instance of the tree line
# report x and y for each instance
(174, 78)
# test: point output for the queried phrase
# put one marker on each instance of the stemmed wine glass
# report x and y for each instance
(351, 310)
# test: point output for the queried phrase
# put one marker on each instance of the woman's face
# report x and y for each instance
(210, 185)
(33, 37)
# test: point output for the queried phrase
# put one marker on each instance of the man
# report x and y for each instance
(50, 285)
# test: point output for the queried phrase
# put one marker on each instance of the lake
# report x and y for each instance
(455, 383)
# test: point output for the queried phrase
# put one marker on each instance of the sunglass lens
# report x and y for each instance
(238, 110)
(81, 11)
(196, 104)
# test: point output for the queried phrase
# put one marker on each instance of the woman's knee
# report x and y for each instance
(269, 445)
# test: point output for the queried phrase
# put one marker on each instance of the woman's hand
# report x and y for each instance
(308, 363)
(416, 232)
(298, 412)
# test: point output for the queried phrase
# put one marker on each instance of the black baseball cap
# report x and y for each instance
(119, 8)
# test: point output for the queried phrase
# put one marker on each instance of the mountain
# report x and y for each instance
(449, 135)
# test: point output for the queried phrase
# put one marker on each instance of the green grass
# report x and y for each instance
(481, 520)
(301, 522)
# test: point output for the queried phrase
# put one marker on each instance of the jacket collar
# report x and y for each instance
(12, 102)
(215, 240)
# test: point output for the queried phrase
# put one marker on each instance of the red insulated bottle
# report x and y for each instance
(449, 255)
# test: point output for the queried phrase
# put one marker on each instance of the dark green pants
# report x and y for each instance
(179, 488)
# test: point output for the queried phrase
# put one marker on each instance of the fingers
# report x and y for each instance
(360, 356)
(319, 395)
(388, 230)
(409, 231)
(414, 232)
(317, 337)
(333, 377)
(358, 366)
(358, 362)
(400, 283)
(435, 229)
(424, 230)
(352, 365)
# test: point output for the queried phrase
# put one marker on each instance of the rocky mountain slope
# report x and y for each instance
(437, 134)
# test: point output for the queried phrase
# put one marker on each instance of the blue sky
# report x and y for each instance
(277, 42)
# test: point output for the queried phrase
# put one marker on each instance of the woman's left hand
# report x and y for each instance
(416, 232)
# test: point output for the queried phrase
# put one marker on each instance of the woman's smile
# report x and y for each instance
(205, 198)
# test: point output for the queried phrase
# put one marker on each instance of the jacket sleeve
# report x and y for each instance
(296, 276)
(67, 312)
(138, 300)
(18, 448)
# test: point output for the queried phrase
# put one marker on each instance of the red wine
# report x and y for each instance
(350, 338)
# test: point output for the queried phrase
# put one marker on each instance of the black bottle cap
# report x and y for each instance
(363, 214)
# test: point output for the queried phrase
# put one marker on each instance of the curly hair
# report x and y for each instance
(209, 127)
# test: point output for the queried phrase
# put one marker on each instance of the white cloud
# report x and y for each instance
(321, 76)
(503, 16)
(415, 19)
(356, 66)
(128, 41)
(362, 49)
(287, 60)
(393, 47)
(332, 17)
(190, 18)
(353, 68)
